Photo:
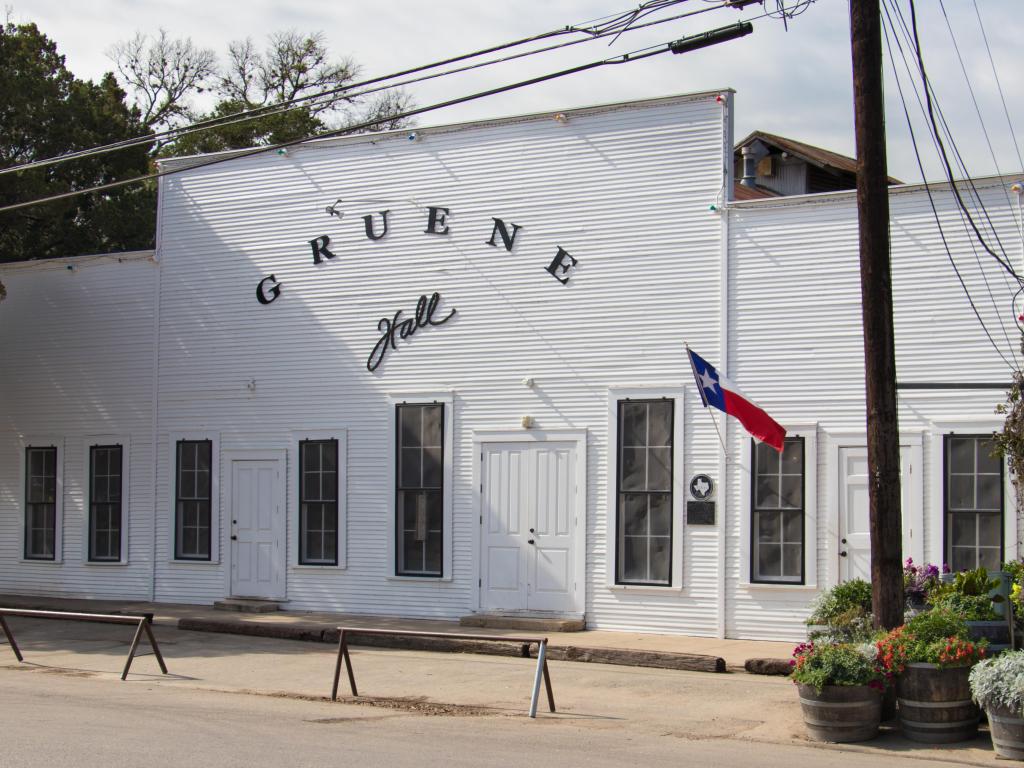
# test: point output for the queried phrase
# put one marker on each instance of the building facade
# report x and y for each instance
(436, 373)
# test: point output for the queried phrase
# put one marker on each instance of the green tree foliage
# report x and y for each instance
(45, 111)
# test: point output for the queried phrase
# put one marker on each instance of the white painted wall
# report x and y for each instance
(75, 341)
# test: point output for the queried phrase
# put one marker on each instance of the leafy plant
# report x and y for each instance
(821, 664)
(920, 580)
(969, 594)
(938, 636)
(999, 682)
(844, 601)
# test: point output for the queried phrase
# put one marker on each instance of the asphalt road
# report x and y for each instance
(57, 719)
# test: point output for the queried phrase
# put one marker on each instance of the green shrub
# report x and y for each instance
(821, 664)
(845, 601)
(969, 594)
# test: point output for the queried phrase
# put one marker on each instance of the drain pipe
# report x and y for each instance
(155, 391)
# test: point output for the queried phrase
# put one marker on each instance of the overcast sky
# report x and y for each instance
(796, 83)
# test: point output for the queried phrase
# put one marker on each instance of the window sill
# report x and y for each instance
(315, 568)
(106, 563)
(194, 563)
(779, 586)
(420, 579)
(647, 589)
(40, 561)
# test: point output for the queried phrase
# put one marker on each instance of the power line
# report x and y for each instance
(614, 27)
(722, 34)
(999, 85)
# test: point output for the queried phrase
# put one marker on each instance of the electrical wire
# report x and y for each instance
(626, 58)
(928, 190)
(999, 85)
(609, 28)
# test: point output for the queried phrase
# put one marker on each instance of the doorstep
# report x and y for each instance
(248, 605)
(519, 621)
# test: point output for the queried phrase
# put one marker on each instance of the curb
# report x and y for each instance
(317, 633)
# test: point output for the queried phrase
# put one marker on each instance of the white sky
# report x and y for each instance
(796, 83)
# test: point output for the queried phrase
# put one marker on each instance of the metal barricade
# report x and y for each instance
(142, 625)
(541, 642)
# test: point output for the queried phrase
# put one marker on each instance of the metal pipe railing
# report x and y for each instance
(542, 663)
(142, 625)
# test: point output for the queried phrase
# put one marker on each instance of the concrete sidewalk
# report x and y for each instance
(624, 648)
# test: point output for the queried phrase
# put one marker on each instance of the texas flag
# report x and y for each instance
(716, 390)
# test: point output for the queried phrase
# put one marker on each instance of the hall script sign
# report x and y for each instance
(393, 326)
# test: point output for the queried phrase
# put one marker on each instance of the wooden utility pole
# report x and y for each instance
(876, 309)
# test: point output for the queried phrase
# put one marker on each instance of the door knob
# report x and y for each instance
(530, 541)
(235, 538)
(844, 541)
(531, 530)
(843, 553)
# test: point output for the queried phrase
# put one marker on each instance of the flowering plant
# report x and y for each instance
(920, 580)
(936, 637)
(821, 664)
(999, 682)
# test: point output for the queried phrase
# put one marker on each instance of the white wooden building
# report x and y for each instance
(245, 412)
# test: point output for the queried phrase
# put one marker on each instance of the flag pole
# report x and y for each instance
(704, 399)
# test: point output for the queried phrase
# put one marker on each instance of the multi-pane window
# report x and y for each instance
(105, 503)
(777, 551)
(318, 502)
(974, 503)
(40, 503)
(645, 492)
(192, 500)
(420, 491)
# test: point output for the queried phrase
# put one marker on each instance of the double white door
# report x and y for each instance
(528, 519)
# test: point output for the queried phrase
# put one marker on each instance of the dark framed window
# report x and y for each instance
(644, 495)
(193, 500)
(41, 503)
(419, 500)
(777, 512)
(105, 473)
(973, 503)
(318, 502)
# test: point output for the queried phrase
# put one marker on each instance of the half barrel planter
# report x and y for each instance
(1007, 730)
(935, 704)
(841, 713)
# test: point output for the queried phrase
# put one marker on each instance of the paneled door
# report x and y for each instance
(529, 518)
(257, 509)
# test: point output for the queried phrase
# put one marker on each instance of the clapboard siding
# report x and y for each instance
(76, 343)
(625, 191)
(796, 345)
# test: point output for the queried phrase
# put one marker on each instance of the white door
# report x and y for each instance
(854, 521)
(257, 528)
(528, 509)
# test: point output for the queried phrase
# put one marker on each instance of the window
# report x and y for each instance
(644, 503)
(41, 503)
(318, 502)
(973, 503)
(777, 526)
(193, 500)
(105, 473)
(420, 489)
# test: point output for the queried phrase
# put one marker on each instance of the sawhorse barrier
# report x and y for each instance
(142, 624)
(542, 664)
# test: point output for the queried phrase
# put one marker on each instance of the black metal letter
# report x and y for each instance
(506, 238)
(368, 222)
(561, 265)
(437, 217)
(319, 246)
(267, 295)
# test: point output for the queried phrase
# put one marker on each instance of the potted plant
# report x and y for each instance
(997, 686)
(840, 687)
(842, 613)
(918, 583)
(974, 595)
(931, 656)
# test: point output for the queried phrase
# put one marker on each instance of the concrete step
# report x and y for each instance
(532, 623)
(247, 605)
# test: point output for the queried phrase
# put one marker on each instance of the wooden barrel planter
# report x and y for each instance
(1007, 730)
(841, 713)
(935, 704)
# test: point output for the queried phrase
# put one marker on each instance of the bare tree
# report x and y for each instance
(162, 74)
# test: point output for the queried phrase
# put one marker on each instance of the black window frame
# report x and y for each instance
(303, 558)
(400, 489)
(30, 505)
(754, 511)
(119, 538)
(947, 534)
(178, 554)
(670, 493)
